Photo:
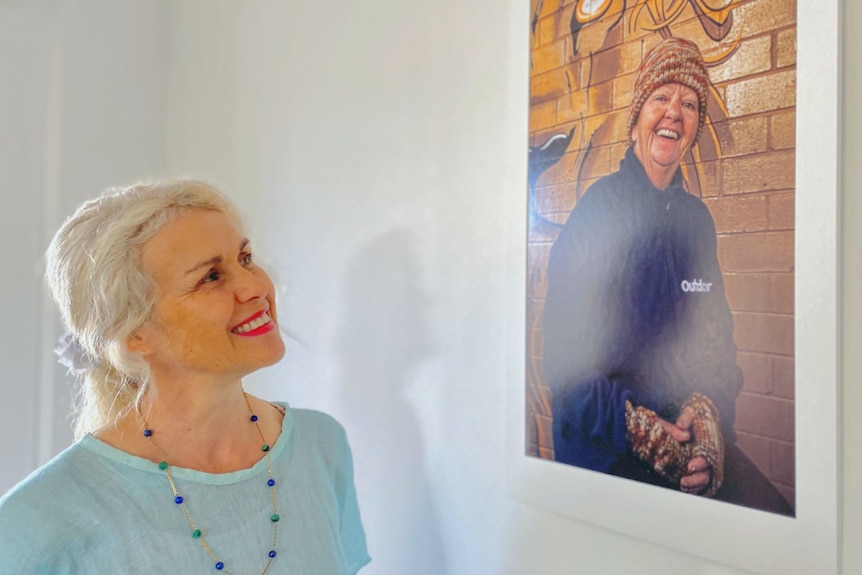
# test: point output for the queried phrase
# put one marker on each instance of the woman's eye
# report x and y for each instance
(246, 259)
(211, 277)
(690, 105)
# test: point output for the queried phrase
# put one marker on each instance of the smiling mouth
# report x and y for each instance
(252, 325)
(665, 133)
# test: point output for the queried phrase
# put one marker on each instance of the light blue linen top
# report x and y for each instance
(96, 510)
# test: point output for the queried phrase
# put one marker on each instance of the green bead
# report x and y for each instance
(265, 447)
(163, 465)
(275, 517)
(196, 533)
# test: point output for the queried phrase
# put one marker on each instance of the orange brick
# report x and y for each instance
(747, 292)
(710, 178)
(545, 394)
(548, 86)
(623, 90)
(756, 371)
(743, 137)
(531, 432)
(566, 170)
(535, 309)
(600, 97)
(765, 15)
(786, 40)
(617, 61)
(765, 416)
(545, 58)
(537, 283)
(543, 115)
(783, 377)
(544, 425)
(688, 26)
(762, 172)
(756, 448)
(537, 257)
(573, 107)
(537, 342)
(548, 7)
(539, 138)
(752, 57)
(781, 293)
(607, 128)
(546, 30)
(618, 152)
(598, 161)
(593, 37)
(780, 209)
(738, 214)
(756, 252)
(782, 462)
(560, 198)
(782, 130)
(761, 94)
(763, 333)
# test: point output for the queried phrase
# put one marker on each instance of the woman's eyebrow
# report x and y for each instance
(216, 259)
(209, 262)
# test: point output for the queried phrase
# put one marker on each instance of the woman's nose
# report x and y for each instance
(674, 109)
(250, 286)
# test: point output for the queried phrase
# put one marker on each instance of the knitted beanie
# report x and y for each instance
(672, 60)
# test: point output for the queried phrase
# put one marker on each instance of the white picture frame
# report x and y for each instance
(745, 538)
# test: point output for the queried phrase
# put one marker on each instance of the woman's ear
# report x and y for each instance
(138, 343)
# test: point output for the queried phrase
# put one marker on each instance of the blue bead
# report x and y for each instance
(254, 418)
(271, 482)
(219, 565)
(178, 500)
(272, 553)
(148, 432)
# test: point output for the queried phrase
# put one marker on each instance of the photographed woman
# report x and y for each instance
(176, 469)
(638, 336)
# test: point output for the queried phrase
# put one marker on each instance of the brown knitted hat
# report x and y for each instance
(672, 60)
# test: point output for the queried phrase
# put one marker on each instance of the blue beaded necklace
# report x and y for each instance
(180, 502)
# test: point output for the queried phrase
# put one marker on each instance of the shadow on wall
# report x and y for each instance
(383, 337)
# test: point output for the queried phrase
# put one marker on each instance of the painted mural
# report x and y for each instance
(585, 56)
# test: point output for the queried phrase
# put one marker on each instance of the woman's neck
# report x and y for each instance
(659, 175)
(205, 429)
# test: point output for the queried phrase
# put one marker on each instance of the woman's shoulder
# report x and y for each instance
(315, 433)
(46, 507)
(317, 423)
(59, 472)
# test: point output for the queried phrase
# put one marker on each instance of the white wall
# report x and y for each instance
(82, 107)
(851, 259)
(374, 147)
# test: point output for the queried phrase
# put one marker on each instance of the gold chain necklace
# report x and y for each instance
(180, 502)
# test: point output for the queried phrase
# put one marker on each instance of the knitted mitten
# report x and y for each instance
(707, 440)
(652, 443)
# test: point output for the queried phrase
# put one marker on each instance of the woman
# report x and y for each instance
(177, 469)
(639, 350)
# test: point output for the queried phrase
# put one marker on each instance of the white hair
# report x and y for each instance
(95, 272)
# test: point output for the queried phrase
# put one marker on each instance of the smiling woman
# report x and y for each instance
(160, 292)
(638, 336)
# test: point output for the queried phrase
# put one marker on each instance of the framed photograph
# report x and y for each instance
(763, 166)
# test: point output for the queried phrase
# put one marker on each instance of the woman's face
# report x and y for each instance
(665, 129)
(214, 313)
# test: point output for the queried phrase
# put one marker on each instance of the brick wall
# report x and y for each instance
(742, 168)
